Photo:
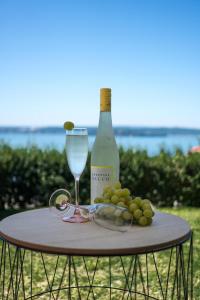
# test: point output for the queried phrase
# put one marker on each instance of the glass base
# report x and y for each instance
(76, 218)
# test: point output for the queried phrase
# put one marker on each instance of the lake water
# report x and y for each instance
(151, 144)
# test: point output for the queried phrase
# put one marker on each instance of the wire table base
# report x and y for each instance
(27, 274)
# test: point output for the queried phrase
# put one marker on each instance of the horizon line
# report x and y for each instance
(93, 126)
(96, 126)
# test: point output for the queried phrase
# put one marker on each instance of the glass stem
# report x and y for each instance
(77, 190)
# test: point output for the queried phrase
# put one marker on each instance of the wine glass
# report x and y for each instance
(105, 215)
(60, 204)
(77, 152)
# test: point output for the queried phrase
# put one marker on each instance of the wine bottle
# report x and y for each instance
(105, 154)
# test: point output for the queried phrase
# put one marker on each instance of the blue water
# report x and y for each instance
(151, 144)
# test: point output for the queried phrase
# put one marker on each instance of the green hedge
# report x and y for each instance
(29, 175)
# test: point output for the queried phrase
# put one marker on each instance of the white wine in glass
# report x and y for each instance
(77, 152)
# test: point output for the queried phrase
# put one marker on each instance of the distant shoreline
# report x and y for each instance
(119, 130)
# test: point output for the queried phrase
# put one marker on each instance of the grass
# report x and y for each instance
(192, 215)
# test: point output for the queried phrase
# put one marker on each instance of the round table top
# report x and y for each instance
(40, 230)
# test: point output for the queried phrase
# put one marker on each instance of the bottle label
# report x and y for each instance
(101, 176)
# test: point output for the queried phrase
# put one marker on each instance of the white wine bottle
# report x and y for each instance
(105, 154)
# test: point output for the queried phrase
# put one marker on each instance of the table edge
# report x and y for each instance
(95, 252)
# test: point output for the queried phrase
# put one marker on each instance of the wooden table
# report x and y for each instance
(97, 262)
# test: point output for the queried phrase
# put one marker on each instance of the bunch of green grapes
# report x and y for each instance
(139, 210)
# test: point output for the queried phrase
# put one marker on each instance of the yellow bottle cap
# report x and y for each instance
(105, 97)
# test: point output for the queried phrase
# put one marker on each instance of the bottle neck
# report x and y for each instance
(105, 123)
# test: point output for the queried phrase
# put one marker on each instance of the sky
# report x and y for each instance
(56, 55)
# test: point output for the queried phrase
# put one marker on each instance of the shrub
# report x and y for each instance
(29, 175)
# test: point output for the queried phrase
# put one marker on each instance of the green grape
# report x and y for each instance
(146, 201)
(133, 207)
(122, 199)
(149, 221)
(106, 201)
(143, 221)
(125, 192)
(131, 201)
(138, 201)
(117, 192)
(107, 195)
(107, 189)
(137, 213)
(129, 198)
(98, 200)
(102, 200)
(114, 199)
(121, 204)
(117, 185)
(126, 216)
(146, 206)
(68, 125)
(112, 192)
(148, 213)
